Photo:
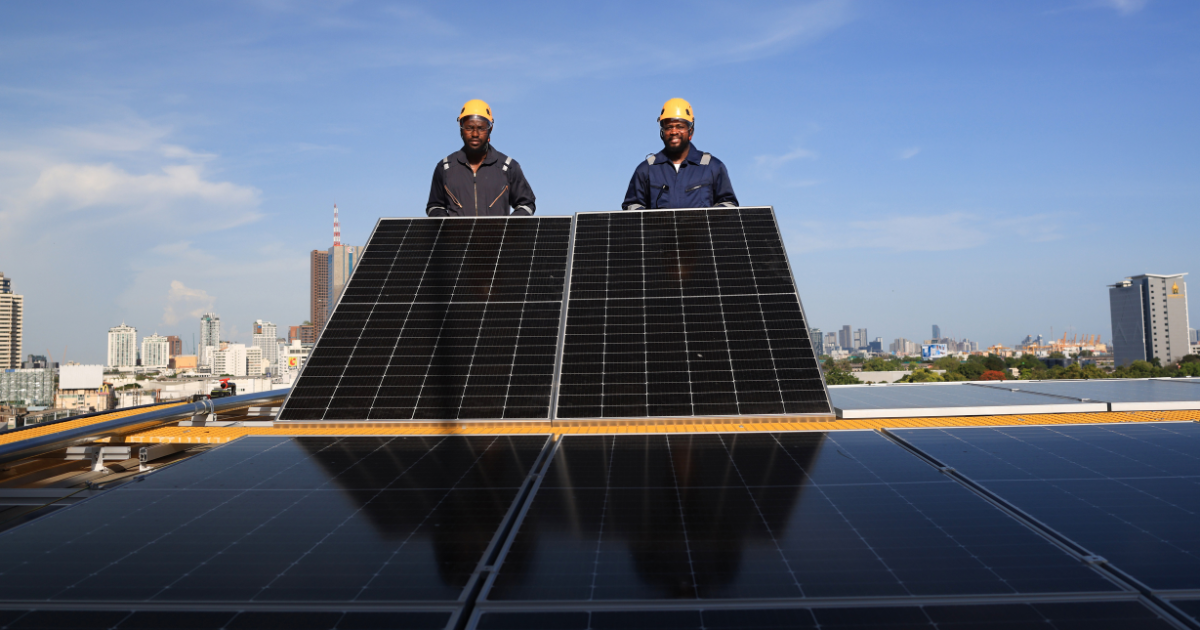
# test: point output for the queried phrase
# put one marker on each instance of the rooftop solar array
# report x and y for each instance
(950, 399)
(1120, 394)
(682, 314)
(1013, 397)
(854, 529)
(1129, 493)
(670, 314)
(443, 319)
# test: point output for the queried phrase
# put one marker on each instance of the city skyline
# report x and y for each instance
(976, 165)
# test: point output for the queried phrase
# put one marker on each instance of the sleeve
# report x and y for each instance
(723, 188)
(637, 197)
(520, 196)
(436, 207)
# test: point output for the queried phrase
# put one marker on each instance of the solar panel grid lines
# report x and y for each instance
(686, 313)
(336, 524)
(445, 320)
(763, 516)
(1127, 493)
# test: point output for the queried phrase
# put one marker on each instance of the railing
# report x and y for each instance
(129, 424)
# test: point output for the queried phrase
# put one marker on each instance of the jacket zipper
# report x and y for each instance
(475, 189)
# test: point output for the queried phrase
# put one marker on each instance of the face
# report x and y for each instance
(676, 133)
(476, 131)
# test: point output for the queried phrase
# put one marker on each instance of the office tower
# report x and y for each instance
(1149, 318)
(937, 332)
(1193, 335)
(860, 339)
(175, 345)
(319, 289)
(304, 333)
(844, 340)
(830, 342)
(12, 318)
(156, 351)
(331, 271)
(210, 337)
(122, 346)
(818, 340)
(266, 337)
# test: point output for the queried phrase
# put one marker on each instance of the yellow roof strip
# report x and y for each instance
(48, 429)
(218, 435)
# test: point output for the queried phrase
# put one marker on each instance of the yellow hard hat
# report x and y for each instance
(677, 108)
(476, 107)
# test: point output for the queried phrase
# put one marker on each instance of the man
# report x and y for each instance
(478, 180)
(679, 176)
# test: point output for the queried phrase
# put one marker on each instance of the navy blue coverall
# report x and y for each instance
(702, 182)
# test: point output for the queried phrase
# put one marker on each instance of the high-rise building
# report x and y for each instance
(304, 333)
(831, 343)
(1193, 335)
(902, 347)
(156, 351)
(844, 339)
(319, 289)
(254, 361)
(230, 361)
(937, 332)
(818, 340)
(12, 318)
(860, 339)
(122, 346)
(210, 337)
(175, 345)
(266, 337)
(1149, 318)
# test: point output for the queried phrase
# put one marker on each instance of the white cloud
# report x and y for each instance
(909, 153)
(79, 186)
(190, 302)
(779, 160)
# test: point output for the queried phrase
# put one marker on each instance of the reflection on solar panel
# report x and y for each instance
(443, 319)
(1190, 607)
(1129, 493)
(795, 515)
(1042, 616)
(685, 313)
(326, 523)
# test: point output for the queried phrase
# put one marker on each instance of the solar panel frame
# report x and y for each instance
(345, 411)
(662, 402)
(1152, 394)
(922, 400)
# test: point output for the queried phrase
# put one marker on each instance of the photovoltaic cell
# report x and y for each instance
(1128, 492)
(281, 520)
(794, 515)
(443, 319)
(1042, 616)
(685, 313)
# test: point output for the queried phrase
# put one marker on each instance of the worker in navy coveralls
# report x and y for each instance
(679, 176)
(478, 180)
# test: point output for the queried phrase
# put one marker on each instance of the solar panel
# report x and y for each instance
(1039, 616)
(327, 524)
(109, 619)
(793, 515)
(1129, 493)
(443, 319)
(1122, 394)
(951, 399)
(685, 313)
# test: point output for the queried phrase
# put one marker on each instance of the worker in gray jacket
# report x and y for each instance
(478, 180)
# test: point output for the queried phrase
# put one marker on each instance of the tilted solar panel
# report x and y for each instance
(443, 319)
(685, 313)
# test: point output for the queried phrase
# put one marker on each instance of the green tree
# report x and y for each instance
(972, 370)
(880, 364)
(1191, 368)
(840, 377)
(946, 363)
(994, 363)
(922, 375)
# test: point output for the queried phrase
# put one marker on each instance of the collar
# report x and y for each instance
(693, 155)
(488, 160)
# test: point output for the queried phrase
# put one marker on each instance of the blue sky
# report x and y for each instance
(986, 166)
